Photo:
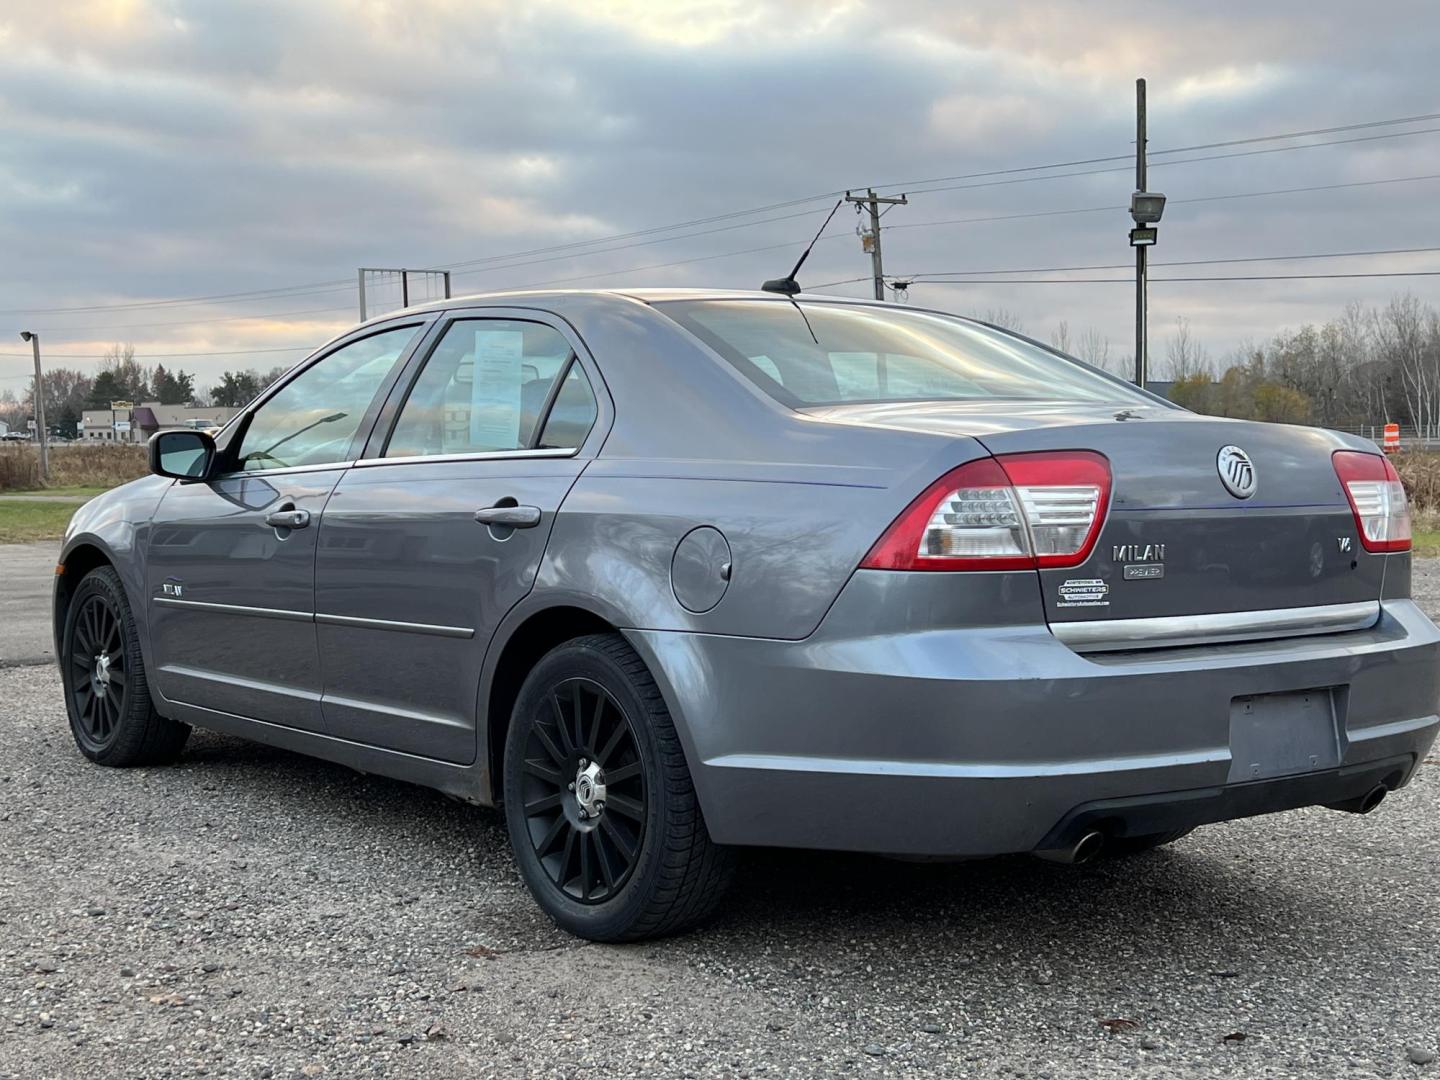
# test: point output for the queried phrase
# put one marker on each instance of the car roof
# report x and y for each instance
(644, 295)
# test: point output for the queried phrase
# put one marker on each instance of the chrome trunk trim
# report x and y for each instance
(1112, 635)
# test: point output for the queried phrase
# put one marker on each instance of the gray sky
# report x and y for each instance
(154, 149)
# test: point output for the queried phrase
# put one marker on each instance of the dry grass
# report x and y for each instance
(76, 465)
(1420, 473)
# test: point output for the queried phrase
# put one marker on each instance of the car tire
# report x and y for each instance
(637, 861)
(107, 697)
(1120, 847)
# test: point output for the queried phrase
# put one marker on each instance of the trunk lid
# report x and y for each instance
(1175, 540)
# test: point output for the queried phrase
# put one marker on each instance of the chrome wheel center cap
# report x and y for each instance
(590, 789)
(101, 677)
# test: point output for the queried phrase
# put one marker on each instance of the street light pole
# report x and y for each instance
(40, 429)
(1142, 252)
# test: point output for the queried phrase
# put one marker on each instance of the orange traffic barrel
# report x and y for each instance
(1391, 444)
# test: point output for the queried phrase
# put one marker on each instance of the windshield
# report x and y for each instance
(830, 354)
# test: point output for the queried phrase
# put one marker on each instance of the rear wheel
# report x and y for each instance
(112, 718)
(601, 810)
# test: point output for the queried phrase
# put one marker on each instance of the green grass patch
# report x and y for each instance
(70, 489)
(33, 519)
(1426, 543)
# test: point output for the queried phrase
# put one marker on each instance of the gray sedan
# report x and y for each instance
(666, 573)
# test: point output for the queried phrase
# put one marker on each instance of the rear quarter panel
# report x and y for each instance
(799, 501)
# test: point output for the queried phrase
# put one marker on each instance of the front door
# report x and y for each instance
(231, 561)
(425, 546)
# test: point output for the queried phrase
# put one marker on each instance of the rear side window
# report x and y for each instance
(482, 390)
(573, 413)
(828, 354)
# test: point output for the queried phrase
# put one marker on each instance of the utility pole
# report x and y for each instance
(1142, 251)
(872, 245)
(40, 429)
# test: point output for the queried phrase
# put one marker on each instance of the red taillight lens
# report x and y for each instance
(1013, 512)
(1377, 499)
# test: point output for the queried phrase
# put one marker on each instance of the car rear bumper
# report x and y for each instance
(997, 739)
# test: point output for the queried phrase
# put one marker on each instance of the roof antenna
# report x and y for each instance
(787, 285)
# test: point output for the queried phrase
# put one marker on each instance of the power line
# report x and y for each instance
(954, 221)
(641, 243)
(166, 356)
(477, 265)
(1300, 134)
(1131, 281)
(258, 294)
(1169, 202)
(577, 247)
(1158, 164)
(192, 322)
(1171, 150)
(1172, 262)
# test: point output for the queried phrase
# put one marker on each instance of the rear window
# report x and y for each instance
(829, 354)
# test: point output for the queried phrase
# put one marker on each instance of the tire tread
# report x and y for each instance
(144, 737)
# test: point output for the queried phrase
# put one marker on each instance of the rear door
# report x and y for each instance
(231, 561)
(439, 530)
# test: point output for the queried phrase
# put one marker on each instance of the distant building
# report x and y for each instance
(136, 424)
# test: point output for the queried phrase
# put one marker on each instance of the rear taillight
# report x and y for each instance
(1013, 512)
(1377, 498)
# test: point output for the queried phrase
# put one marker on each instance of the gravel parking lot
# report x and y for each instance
(252, 913)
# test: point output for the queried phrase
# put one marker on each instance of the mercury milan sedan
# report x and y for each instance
(667, 573)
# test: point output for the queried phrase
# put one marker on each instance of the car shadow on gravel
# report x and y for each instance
(819, 898)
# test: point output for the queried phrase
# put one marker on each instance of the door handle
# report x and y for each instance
(288, 519)
(509, 517)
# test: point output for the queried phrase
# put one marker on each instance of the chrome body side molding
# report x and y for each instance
(321, 617)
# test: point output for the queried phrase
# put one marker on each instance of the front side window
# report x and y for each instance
(313, 418)
(807, 354)
(482, 390)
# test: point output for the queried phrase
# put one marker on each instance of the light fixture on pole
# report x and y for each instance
(1146, 207)
(40, 430)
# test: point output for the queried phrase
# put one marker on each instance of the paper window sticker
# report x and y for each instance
(495, 390)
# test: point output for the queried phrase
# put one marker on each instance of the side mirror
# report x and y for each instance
(183, 455)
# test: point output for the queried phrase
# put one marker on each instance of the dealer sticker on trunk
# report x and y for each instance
(1083, 592)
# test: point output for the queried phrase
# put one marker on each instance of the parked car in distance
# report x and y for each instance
(666, 573)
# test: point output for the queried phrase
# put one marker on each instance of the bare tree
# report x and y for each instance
(1060, 336)
(1401, 340)
(1003, 317)
(1185, 358)
(1094, 348)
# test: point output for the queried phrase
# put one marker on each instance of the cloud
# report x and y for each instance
(162, 148)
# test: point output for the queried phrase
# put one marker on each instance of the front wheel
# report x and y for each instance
(112, 718)
(599, 803)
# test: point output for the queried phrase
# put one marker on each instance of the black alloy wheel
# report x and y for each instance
(95, 672)
(602, 812)
(107, 696)
(583, 794)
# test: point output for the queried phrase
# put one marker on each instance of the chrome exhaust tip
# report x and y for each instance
(1365, 803)
(1081, 851)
